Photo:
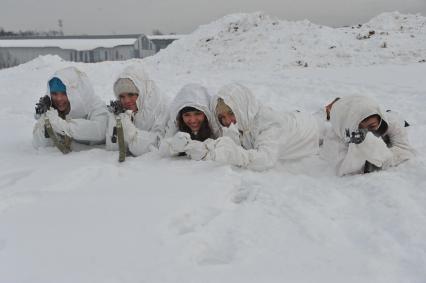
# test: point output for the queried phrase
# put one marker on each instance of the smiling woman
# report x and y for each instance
(190, 126)
(194, 122)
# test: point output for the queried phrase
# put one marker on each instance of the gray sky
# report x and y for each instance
(183, 16)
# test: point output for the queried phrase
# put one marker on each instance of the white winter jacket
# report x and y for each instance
(150, 118)
(349, 158)
(87, 118)
(191, 95)
(265, 135)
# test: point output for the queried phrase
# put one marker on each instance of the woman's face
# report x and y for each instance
(227, 118)
(194, 119)
(128, 100)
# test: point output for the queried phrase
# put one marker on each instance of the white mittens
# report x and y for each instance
(227, 152)
(174, 145)
(59, 125)
(374, 150)
(196, 150)
(232, 133)
(179, 142)
(129, 129)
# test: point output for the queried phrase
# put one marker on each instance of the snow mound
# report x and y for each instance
(397, 22)
(259, 40)
(43, 61)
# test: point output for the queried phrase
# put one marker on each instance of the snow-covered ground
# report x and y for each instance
(83, 217)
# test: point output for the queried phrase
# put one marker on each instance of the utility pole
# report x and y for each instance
(61, 25)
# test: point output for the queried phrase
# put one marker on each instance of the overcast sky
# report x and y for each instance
(182, 16)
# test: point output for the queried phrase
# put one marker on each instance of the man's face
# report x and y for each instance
(60, 101)
(128, 100)
(193, 119)
(227, 118)
(370, 123)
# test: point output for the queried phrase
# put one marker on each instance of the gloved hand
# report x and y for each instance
(129, 129)
(59, 125)
(374, 150)
(210, 146)
(227, 152)
(357, 136)
(232, 132)
(196, 150)
(179, 142)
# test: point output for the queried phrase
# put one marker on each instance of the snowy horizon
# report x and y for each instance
(184, 16)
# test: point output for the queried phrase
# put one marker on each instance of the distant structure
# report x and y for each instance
(162, 41)
(89, 49)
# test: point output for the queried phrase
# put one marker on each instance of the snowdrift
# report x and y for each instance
(255, 40)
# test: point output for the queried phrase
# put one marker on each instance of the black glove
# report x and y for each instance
(115, 107)
(357, 136)
(43, 105)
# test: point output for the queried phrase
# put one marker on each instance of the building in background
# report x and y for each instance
(162, 41)
(89, 49)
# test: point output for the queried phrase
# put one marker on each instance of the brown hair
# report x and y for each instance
(204, 133)
(222, 107)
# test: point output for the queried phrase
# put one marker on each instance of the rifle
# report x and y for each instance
(357, 136)
(63, 143)
(116, 108)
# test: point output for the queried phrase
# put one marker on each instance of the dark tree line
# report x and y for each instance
(6, 33)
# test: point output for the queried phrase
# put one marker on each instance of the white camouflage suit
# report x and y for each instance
(262, 136)
(87, 119)
(143, 129)
(174, 142)
(350, 158)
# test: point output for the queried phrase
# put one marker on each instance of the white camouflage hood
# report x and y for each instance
(193, 95)
(79, 90)
(149, 99)
(242, 102)
(349, 111)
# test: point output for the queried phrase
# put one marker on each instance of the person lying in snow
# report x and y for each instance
(191, 124)
(362, 138)
(76, 112)
(255, 136)
(144, 110)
